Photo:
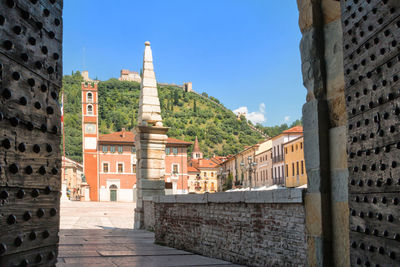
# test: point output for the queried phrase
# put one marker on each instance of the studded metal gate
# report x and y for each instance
(30, 163)
(371, 43)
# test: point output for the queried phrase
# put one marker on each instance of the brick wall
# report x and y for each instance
(261, 228)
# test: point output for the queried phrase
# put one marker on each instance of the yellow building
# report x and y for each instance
(202, 176)
(202, 172)
(295, 169)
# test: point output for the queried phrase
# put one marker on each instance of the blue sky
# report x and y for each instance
(245, 53)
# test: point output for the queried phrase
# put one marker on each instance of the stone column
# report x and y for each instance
(150, 144)
(324, 120)
(150, 141)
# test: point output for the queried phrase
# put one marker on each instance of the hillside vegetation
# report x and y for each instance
(187, 114)
(276, 130)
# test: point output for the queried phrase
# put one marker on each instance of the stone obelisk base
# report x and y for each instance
(150, 142)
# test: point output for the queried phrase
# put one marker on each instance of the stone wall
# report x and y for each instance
(259, 228)
(324, 122)
(148, 207)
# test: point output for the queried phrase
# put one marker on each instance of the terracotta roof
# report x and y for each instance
(295, 129)
(120, 137)
(218, 159)
(203, 163)
(177, 141)
(192, 169)
(196, 148)
(129, 137)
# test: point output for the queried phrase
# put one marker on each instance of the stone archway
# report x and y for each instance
(30, 129)
(31, 180)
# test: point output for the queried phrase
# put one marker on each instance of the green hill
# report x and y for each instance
(187, 114)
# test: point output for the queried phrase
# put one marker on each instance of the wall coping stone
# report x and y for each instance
(288, 195)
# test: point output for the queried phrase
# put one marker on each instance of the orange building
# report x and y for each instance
(295, 170)
(90, 136)
(109, 160)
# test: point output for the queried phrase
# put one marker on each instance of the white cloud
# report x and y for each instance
(241, 110)
(287, 118)
(255, 116)
(261, 107)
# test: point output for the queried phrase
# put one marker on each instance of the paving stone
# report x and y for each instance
(181, 260)
(154, 252)
(89, 261)
(86, 240)
(82, 253)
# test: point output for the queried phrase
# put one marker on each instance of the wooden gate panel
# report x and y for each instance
(371, 37)
(30, 131)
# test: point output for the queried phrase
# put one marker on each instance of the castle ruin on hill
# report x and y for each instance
(133, 76)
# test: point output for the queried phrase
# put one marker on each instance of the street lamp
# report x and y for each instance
(251, 168)
(243, 170)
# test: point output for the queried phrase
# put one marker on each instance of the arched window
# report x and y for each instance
(89, 97)
(89, 109)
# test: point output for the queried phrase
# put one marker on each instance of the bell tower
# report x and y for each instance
(90, 137)
(196, 153)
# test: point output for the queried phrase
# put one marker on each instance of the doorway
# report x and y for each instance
(113, 192)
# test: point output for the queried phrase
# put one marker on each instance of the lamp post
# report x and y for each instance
(251, 167)
(220, 179)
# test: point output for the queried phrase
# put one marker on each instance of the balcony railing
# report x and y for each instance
(279, 180)
(278, 158)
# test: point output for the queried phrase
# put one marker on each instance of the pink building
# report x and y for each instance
(176, 166)
(117, 165)
(109, 160)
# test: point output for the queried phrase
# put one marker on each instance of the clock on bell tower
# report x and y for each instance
(90, 137)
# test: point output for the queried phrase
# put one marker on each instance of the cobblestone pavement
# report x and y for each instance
(100, 234)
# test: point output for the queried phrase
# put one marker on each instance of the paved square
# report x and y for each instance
(100, 234)
(96, 215)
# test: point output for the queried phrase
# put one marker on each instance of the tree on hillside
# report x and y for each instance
(277, 129)
(176, 97)
(218, 129)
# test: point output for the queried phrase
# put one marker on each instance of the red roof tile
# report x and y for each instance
(177, 141)
(203, 163)
(192, 169)
(120, 137)
(129, 137)
(295, 129)
(218, 159)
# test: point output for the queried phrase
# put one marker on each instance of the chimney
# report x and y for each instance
(123, 132)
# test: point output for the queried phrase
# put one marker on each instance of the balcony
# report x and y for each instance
(279, 180)
(277, 159)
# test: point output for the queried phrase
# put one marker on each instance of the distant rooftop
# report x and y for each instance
(129, 137)
(295, 129)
